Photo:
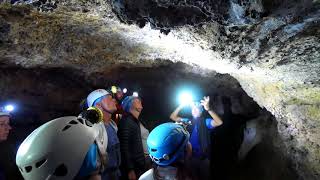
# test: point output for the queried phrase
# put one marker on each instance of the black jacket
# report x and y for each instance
(131, 148)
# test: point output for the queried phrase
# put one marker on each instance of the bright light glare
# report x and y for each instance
(124, 90)
(114, 89)
(9, 108)
(185, 98)
(135, 94)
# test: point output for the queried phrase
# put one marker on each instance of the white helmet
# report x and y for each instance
(57, 149)
(94, 95)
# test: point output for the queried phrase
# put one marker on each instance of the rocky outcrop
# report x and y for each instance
(270, 47)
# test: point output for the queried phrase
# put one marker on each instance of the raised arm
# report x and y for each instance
(174, 115)
(216, 120)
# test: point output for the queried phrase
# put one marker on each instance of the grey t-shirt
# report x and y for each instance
(144, 137)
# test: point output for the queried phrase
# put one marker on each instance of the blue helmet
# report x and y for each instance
(166, 143)
(127, 103)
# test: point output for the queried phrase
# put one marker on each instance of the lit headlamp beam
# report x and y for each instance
(9, 108)
(185, 98)
(135, 94)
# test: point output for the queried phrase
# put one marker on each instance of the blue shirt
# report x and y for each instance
(199, 142)
(90, 163)
(113, 150)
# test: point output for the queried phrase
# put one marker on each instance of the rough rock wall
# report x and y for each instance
(41, 94)
(275, 56)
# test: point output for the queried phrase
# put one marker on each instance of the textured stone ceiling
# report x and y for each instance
(271, 47)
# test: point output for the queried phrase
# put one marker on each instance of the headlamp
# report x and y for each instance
(185, 98)
(135, 94)
(113, 89)
(9, 108)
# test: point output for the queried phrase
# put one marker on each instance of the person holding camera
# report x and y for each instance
(201, 126)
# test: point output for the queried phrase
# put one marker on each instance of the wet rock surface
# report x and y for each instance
(270, 47)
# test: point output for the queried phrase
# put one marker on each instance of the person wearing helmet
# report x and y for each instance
(65, 148)
(169, 148)
(133, 159)
(104, 101)
(118, 95)
(4, 132)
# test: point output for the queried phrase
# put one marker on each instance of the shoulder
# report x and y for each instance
(147, 175)
(126, 121)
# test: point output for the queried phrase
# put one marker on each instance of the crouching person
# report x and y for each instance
(65, 148)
